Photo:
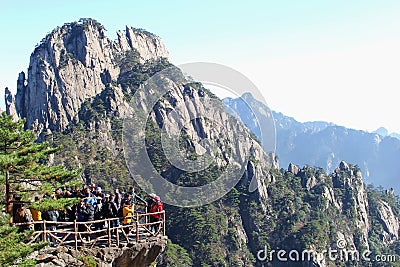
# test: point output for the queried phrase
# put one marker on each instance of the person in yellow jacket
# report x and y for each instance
(127, 212)
(36, 216)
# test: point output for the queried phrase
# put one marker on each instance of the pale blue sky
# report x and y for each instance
(336, 61)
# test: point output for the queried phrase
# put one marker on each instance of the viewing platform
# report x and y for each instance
(100, 233)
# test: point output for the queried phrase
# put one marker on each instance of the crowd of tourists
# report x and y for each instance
(94, 204)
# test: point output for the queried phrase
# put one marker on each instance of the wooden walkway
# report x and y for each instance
(106, 232)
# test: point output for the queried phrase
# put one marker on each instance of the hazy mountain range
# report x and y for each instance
(325, 144)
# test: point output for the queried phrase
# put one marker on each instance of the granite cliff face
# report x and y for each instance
(390, 222)
(73, 63)
(354, 200)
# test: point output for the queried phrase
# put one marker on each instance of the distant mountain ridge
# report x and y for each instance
(325, 144)
(384, 132)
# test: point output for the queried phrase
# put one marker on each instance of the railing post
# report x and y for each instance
(44, 231)
(137, 227)
(163, 222)
(109, 231)
(76, 235)
(116, 233)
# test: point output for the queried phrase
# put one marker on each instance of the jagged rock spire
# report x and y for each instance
(71, 64)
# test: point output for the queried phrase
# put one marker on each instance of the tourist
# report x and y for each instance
(127, 213)
(80, 214)
(51, 215)
(68, 193)
(149, 202)
(99, 193)
(92, 188)
(70, 213)
(90, 198)
(97, 213)
(88, 211)
(127, 200)
(37, 216)
(22, 216)
(58, 194)
(156, 207)
(109, 210)
(117, 198)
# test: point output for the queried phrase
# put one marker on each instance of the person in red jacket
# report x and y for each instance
(156, 206)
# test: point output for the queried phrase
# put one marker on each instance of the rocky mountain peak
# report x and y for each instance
(347, 176)
(343, 166)
(348, 179)
(146, 43)
(10, 103)
(71, 64)
(293, 169)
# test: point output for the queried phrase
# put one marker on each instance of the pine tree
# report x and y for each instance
(25, 171)
(13, 246)
(25, 166)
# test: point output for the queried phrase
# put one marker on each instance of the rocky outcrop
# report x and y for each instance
(344, 193)
(389, 221)
(139, 40)
(293, 169)
(10, 104)
(350, 179)
(257, 176)
(329, 195)
(140, 255)
(353, 201)
(308, 180)
(73, 63)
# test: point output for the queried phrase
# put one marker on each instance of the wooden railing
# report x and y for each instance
(105, 232)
